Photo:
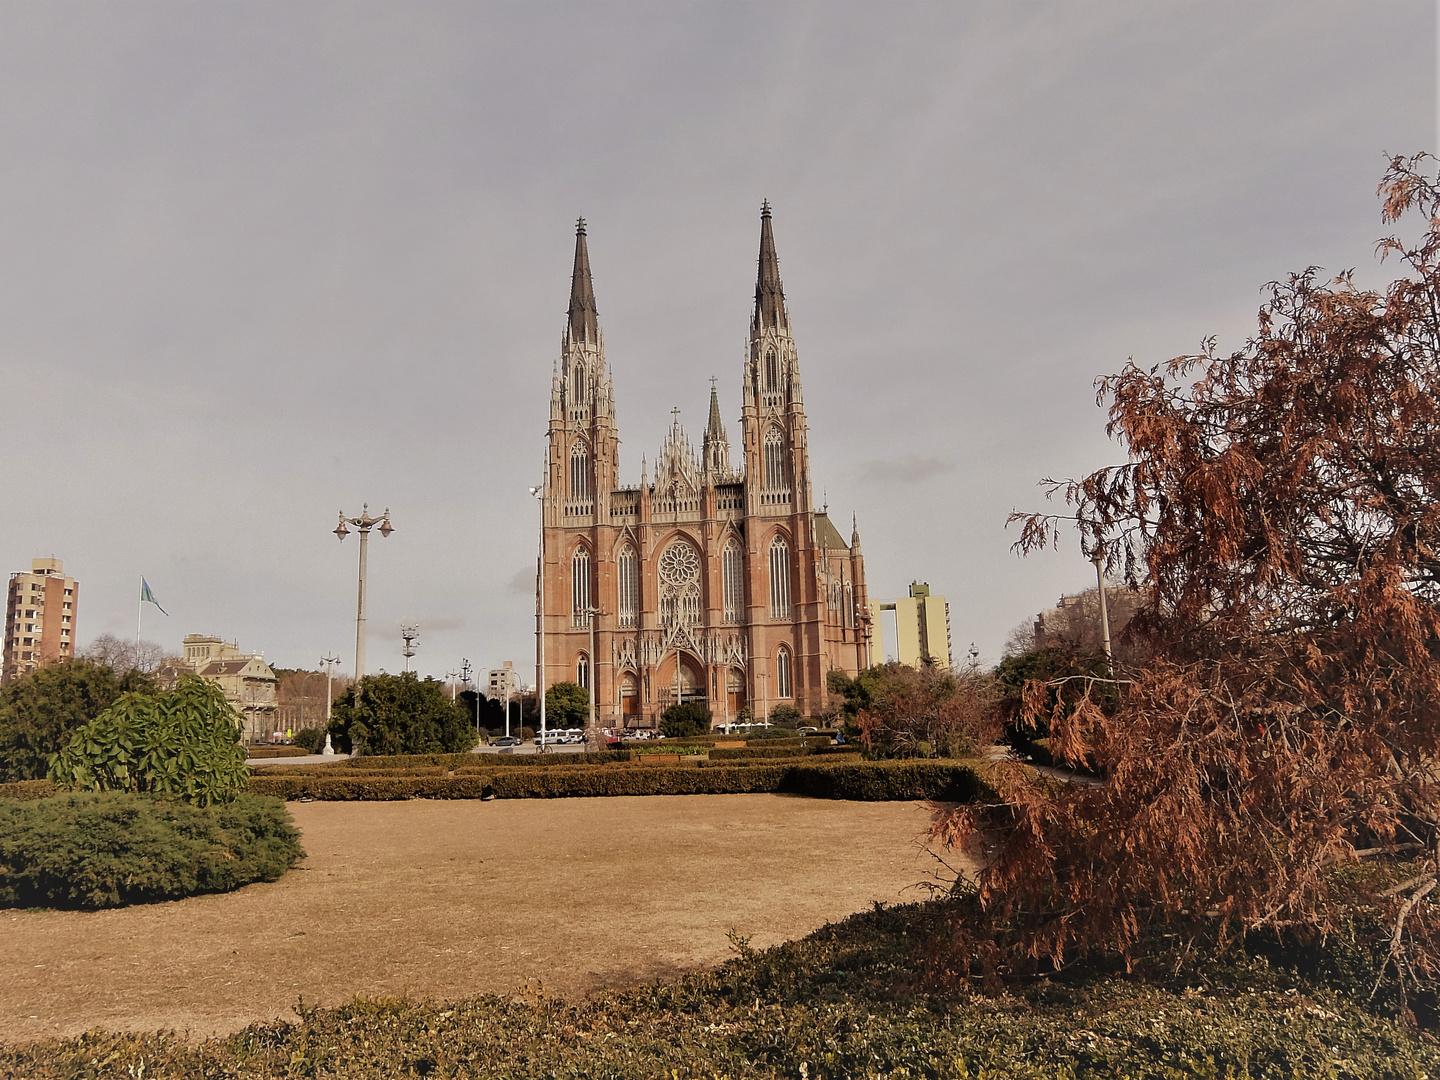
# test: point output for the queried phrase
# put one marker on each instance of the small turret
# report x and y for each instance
(715, 449)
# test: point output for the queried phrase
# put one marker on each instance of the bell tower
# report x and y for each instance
(777, 460)
(584, 457)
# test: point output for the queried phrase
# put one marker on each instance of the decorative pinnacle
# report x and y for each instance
(580, 226)
(765, 208)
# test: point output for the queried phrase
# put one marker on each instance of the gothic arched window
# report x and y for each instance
(784, 680)
(579, 384)
(732, 575)
(629, 574)
(679, 574)
(774, 460)
(772, 372)
(579, 472)
(779, 578)
(849, 606)
(582, 671)
(579, 586)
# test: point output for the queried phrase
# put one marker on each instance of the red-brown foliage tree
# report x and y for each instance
(1280, 511)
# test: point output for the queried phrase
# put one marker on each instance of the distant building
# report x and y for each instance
(39, 618)
(503, 679)
(922, 627)
(246, 680)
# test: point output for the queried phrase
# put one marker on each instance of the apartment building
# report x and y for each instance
(40, 609)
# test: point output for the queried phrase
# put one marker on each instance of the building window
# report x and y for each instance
(849, 606)
(779, 579)
(579, 586)
(774, 460)
(784, 683)
(582, 671)
(772, 372)
(579, 472)
(629, 567)
(579, 383)
(732, 573)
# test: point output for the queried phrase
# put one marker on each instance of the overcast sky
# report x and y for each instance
(263, 262)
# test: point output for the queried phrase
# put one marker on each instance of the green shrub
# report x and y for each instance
(683, 719)
(786, 715)
(877, 781)
(310, 739)
(107, 849)
(185, 744)
(400, 714)
(41, 709)
(258, 753)
(744, 753)
(567, 705)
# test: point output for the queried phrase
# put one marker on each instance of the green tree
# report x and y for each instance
(40, 710)
(401, 714)
(685, 718)
(185, 743)
(567, 705)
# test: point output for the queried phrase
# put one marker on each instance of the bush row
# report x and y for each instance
(871, 781)
(90, 849)
(750, 752)
(28, 789)
(258, 752)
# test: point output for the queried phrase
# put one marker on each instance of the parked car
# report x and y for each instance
(506, 740)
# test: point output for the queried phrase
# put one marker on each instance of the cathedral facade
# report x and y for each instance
(711, 581)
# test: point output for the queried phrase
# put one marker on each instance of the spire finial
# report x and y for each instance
(765, 208)
(580, 226)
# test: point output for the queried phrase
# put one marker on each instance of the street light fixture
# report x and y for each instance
(364, 523)
(592, 732)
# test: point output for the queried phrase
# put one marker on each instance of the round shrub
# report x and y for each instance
(112, 848)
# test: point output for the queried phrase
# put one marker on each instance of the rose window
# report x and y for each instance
(679, 573)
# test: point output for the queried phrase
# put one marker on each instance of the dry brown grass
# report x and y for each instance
(446, 899)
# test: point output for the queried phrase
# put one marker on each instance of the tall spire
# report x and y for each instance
(715, 449)
(583, 324)
(716, 426)
(769, 296)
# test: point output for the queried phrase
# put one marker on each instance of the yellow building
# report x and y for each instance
(922, 627)
(246, 680)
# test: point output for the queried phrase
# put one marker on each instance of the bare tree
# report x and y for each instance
(121, 655)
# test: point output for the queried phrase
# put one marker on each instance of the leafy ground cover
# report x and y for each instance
(108, 849)
(841, 1003)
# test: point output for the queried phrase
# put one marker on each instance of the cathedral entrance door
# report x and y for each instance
(735, 691)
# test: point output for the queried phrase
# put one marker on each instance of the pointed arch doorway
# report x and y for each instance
(681, 678)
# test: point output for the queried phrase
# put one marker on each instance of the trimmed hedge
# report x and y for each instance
(89, 849)
(26, 790)
(258, 752)
(752, 752)
(449, 762)
(870, 781)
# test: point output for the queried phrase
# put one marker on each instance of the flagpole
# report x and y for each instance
(139, 614)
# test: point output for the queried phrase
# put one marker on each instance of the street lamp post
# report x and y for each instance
(539, 493)
(592, 733)
(364, 523)
(1098, 558)
(329, 662)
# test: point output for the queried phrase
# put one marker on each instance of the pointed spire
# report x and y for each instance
(716, 427)
(854, 533)
(583, 323)
(769, 296)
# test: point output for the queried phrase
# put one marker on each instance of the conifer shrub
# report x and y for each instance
(109, 849)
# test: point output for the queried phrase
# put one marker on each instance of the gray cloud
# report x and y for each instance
(910, 469)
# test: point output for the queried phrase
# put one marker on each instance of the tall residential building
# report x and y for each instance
(922, 627)
(246, 680)
(39, 618)
(708, 582)
(504, 681)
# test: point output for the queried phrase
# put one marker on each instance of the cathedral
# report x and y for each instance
(709, 582)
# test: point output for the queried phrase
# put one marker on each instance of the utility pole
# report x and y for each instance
(364, 523)
(410, 633)
(539, 493)
(1098, 558)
